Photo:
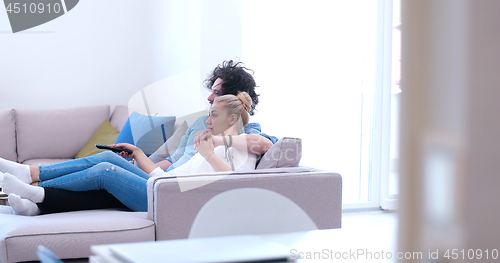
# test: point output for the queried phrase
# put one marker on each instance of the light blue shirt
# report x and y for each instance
(185, 150)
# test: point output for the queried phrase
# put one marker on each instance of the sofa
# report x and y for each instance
(50, 136)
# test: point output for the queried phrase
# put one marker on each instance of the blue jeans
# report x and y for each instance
(105, 170)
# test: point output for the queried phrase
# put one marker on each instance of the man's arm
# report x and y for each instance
(187, 146)
(188, 153)
(258, 142)
(252, 143)
(180, 149)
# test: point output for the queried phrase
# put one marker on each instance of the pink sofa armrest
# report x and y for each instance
(318, 193)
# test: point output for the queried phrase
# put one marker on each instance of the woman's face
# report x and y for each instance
(219, 120)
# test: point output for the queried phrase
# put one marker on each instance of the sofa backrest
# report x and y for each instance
(59, 133)
(8, 135)
(119, 117)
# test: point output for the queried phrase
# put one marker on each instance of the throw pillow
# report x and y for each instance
(105, 134)
(287, 152)
(126, 134)
(146, 132)
(168, 148)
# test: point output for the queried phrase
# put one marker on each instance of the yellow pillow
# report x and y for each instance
(105, 134)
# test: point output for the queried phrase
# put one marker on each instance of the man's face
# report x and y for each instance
(215, 90)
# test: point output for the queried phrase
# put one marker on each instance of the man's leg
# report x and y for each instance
(59, 200)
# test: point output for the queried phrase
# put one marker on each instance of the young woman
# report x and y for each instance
(228, 115)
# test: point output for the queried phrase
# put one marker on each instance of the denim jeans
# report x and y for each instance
(105, 170)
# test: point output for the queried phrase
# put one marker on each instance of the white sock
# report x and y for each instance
(22, 206)
(12, 185)
(5, 209)
(21, 171)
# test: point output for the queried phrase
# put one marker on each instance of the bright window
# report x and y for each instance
(317, 64)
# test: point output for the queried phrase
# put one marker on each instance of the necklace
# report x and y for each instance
(226, 146)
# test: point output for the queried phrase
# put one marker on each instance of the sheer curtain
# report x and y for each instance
(316, 66)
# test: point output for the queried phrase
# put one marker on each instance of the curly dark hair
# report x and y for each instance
(236, 79)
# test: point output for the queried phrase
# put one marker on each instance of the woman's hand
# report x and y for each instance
(205, 147)
(200, 137)
(127, 146)
(140, 158)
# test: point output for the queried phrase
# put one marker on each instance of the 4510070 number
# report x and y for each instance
(33, 8)
(471, 254)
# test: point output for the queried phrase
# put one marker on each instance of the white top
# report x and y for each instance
(242, 161)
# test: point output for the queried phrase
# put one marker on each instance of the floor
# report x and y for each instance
(377, 228)
(371, 221)
(364, 237)
(368, 232)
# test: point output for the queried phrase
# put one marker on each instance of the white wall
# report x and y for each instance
(221, 32)
(103, 52)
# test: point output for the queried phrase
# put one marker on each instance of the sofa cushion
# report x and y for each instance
(57, 133)
(287, 152)
(8, 135)
(105, 134)
(119, 117)
(70, 235)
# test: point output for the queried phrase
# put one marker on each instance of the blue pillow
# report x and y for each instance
(126, 134)
(146, 132)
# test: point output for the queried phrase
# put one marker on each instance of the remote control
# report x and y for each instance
(114, 149)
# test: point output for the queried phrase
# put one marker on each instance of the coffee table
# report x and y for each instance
(308, 246)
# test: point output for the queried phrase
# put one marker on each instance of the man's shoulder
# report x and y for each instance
(253, 127)
(201, 119)
(199, 123)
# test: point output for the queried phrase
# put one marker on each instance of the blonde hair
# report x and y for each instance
(240, 105)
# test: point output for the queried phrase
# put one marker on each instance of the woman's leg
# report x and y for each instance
(21, 171)
(126, 186)
(51, 171)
